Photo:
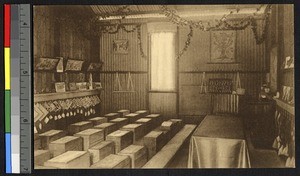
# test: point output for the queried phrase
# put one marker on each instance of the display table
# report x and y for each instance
(219, 142)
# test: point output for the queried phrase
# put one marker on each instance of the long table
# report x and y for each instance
(219, 142)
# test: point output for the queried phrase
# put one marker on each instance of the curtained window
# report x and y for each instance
(162, 61)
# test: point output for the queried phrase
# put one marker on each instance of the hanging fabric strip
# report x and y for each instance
(203, 84)
(238, 81)
(130, 83)
(118, 83)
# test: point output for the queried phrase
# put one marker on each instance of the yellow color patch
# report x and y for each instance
(7, 68)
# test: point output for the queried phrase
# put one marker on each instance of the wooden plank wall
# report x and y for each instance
(287, 77)
(251, 62)
(43, 45)
(123, 63)
(53, 39)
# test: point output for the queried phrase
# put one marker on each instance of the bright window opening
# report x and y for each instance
(162, 61)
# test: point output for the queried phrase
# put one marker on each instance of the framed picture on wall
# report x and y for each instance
(120, 46)
(74, 65)
(222, 46)
(46, 64)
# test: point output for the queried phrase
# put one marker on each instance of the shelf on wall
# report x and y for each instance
(289, 108)
(65, 95)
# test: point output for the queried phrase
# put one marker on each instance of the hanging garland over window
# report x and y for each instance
(140, 42)
(223, 23)
(115, 29)
(187, 43)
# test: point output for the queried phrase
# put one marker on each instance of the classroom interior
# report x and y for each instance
(164, 86)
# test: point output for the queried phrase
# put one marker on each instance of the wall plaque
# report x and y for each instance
(220, 86)
(223, 46)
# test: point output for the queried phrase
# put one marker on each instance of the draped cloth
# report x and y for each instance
(219, 142)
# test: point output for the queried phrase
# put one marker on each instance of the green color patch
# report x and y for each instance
(7, 111)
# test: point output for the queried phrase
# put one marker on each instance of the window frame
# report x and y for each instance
(176, 66)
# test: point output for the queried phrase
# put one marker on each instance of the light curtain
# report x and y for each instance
(162, 61)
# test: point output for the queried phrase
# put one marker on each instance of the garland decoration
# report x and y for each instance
(115, 29)
(187, 43)
(224, 23)
(139, 36)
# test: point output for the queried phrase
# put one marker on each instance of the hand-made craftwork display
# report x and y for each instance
(60, 65)
(223, 46)
(46, 64)
(74, 65)
(289, 62)
(60, 87)
(120, 46)
(220, 85)
(94, 67)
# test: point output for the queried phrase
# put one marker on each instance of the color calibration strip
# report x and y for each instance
(7, 93)
(17, 70)
(15, 87)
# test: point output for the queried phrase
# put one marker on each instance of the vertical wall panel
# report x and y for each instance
(71, 44)
(113, 101)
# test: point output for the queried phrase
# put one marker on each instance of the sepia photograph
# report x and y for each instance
(163, 86)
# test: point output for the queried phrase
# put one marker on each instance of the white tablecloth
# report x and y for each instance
(219, 142)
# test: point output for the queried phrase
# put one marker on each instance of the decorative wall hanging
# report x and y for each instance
(47, 111)
(46, 64)
(74, 65)
(95, 67)
(222, 46)
(220, 85)
(120, 46)
(239, 89)
(118, 87)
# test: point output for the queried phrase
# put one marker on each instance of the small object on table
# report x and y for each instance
(265, 94)
(81, 85)
(60, 87)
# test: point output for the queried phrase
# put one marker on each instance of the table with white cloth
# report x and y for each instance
(219, 142)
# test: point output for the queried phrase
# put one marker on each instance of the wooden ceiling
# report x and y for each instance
(141, 11)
